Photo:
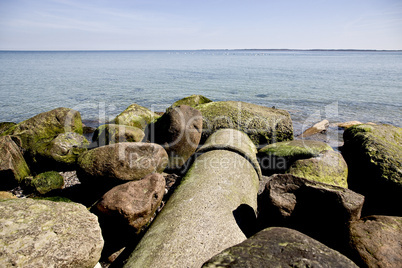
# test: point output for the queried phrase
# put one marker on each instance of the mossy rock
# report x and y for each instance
(262, 124)
(136, 116)
(13, 168)
(277, 157)
(5, 126)
(374, 156)
(46, 182)
(34, 133)
(328, 167)
(192, 101)
(112, 133)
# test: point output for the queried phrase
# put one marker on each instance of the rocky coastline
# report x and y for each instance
(202, 184)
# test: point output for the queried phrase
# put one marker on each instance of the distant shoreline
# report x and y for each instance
(240, 49)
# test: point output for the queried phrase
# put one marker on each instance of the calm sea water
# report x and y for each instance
(311, 85)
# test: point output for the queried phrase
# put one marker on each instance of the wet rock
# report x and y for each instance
(111, 133)
(377, 241)
(13, 168)
(319, 210)
(374, 157)
(277, 157)
(262, 124)
(136, 116)
(328, 167)
(179, 132)
(279, 247)
(319, 127)
(41, 233)
(191, 101)
(121, 162)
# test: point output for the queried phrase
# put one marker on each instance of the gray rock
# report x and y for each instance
(374, 156)
(377, 241)
(41, 233)
(210, 210)
(279, 247)
(13, 168)
(179, 132)
(262, 124)
(122, 162)
(319, 210)
(111, 133)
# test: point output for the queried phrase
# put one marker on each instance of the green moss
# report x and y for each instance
(192, 101)
(47, 181)
(136, 116)
(297, 149)
(55, 199)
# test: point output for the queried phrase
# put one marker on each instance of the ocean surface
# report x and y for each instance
(312, 85)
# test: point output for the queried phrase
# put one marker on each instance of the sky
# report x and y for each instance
(200, 24)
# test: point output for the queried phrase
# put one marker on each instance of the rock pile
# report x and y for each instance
(240, 191)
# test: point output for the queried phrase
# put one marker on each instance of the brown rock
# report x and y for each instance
(319, 210)
(13, 167)
(377, 241)
(6, 195)
(179, 132)
(348, 124)
(121, 162)
(317, 128)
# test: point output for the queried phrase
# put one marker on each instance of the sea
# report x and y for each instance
(312, 85)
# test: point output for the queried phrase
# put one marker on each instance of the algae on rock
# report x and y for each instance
(191, 101)
(136, 116)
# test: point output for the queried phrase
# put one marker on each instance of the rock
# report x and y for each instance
(111, 133)
(319, 210)
(134, 202)
(213, 208)
(277, 157)
(41, 233)
(317, 128)
(5, 126)
(62, 152)
(262, 124)
(279, 247)
(13, 168)
(121, 162)
(348, 124)
(374, 157)
(192, 101)
(136, 116)
(46, 182)
(179, 132)
(35, 134)
(6, 195)
(328, 167)
(377, 241)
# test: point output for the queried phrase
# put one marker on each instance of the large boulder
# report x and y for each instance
(13, 168)
(262, 124)
(213, 208)
(134, 202)
(377, 241)
(319, 210)
(41, 233)
(121, 162)
(35, 134)
(277, 157)
(374, 157)
(112, 133)
(328, 167)
(192, 101)
(136, 116)
(179, 132)
(279, 247)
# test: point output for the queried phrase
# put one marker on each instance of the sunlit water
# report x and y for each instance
(311, 85)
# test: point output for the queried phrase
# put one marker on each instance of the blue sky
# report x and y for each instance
(201, 24)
